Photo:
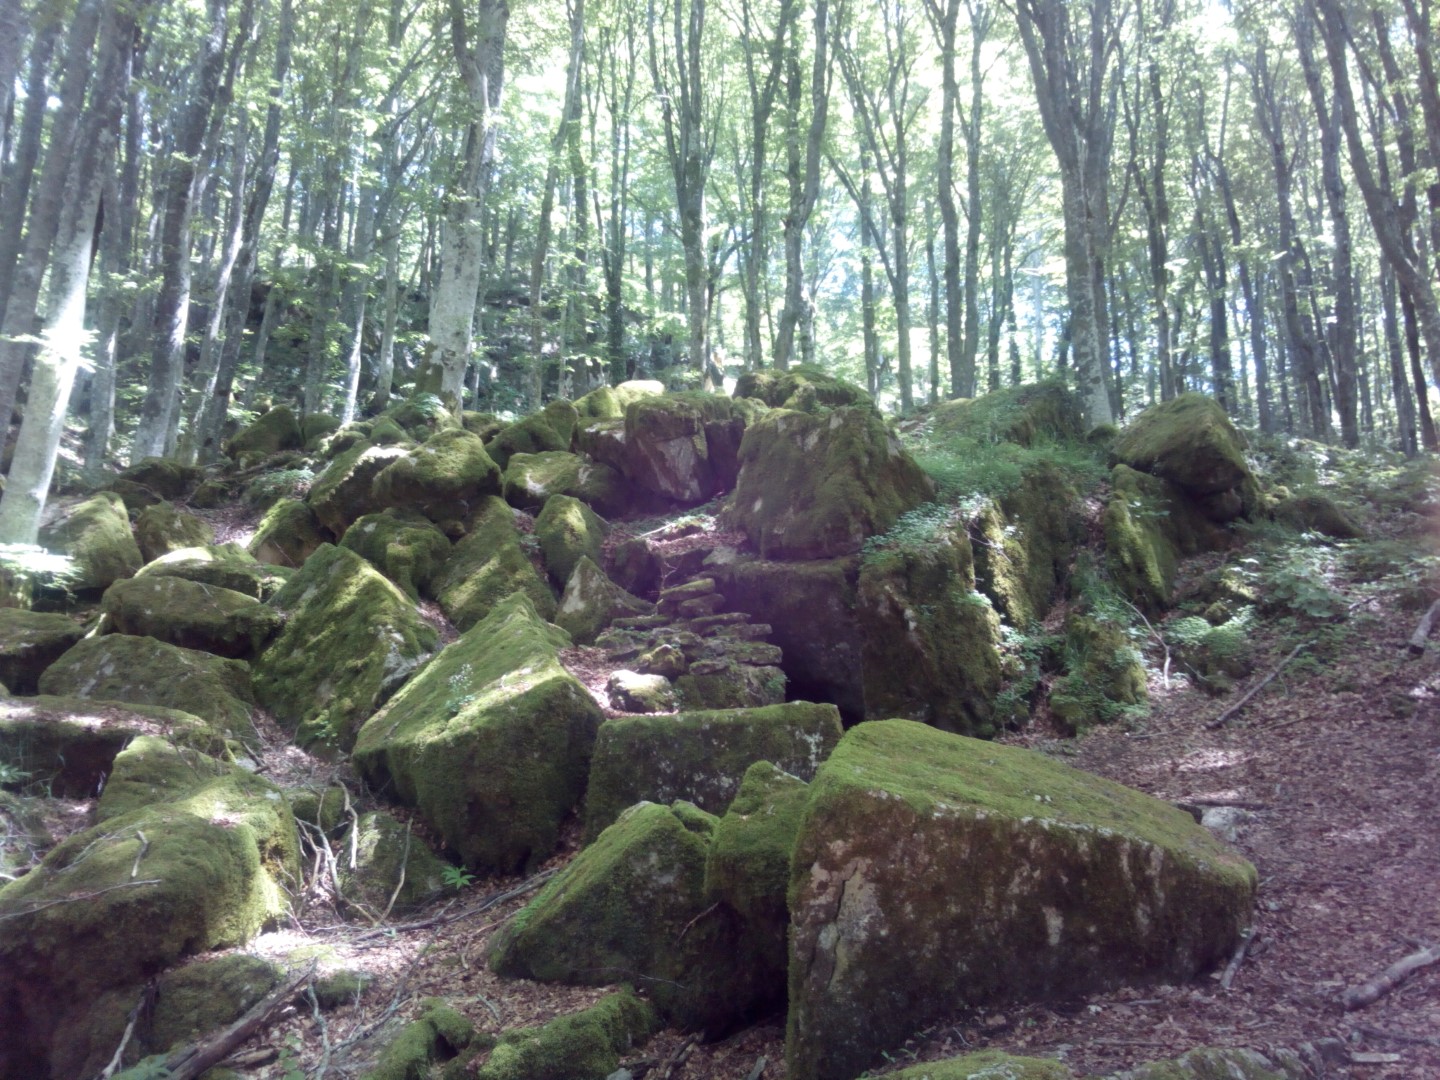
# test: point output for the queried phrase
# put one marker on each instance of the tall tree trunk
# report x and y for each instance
(944, 19)
(157, 411)
(33, 466)
(1394, 354)
(19, 170)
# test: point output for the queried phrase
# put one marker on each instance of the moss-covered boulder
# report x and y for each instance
(96, 534)
(444, 478)
(701, 757)
(487, 566)
(143, 671)
(930, 639)
(1104, 675)
(315, 428)
(343, 493)
(748, 870)
(793, 599)
(351, 638)
(1215, 1063)
(402, 545)
(602, 403)
(153, 769)
(1149, 525)
(388, 856)
(637, 692)
(591, 602)
(584, 1044)
(568, 530)
(632, 906)
(817, 486)
(277, 430)
(30, 641)
(491, 741)
(1190, 442)
(532, 479)
(225, 566)
(437, 1035)
(1214, 655)
(288, 534)
(932, 869)
(70, 744)
(422, 416)
(190, 614)
(665, 449)
(1025, 415)
(987, 1065)
(552, 428)
(384, 431)
(1316, 512)
(486, 425)
(154, 479)
(722, 684)
(194, 1000)
(162, 529)
(801, 389)
(203, 870)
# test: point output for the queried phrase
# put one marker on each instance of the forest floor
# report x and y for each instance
(1330, 772)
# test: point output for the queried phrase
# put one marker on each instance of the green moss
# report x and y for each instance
(665, 451)
(422, 416)
(602, 403)
(402, 545)
(277, 430)
(30, 641)
(585, 1044)
(987, 1065)
(190, 614)
(532, 479)
(343, 492)
(1104, 677)
(386, 432)
(701, 756)
(443, 479)
(487, 566)
(1213, 1063)
(288, 534)
(437, 1035)
(817, 486)
(491, 741)
(534, 434)
(119, 667)
(486, 425)
(316, 428)
(154, 478)
(932, 869)
(382, 848)
(800, 388)
(194, 1000)
(592, 601)
(1189, 441)
(1025, 415)
(1025, 539)
(322, 807)
(342, 988)
(226, 566)
(350, 640)
(1140, 554)
(153, 769)
(96, 535)
(567, 529)
(161, 529)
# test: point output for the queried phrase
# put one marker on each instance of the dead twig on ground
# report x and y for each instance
(1398, 1036)
(1372, 990)
(1416, 644)
(444, 917)
(1225, 717)
(116, 1060)
(1247, 939)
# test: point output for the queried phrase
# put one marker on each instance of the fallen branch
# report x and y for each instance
(1225, 717)
(1422, 631)
(1372, 990)
(677, 1059)
(1159, 637)
(754, 1074)
(119, 1055)
(444, 917)
(1399, 1036)
(1233, 968)
(189, 1062)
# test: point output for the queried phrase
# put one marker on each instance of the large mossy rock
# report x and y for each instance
(1229, 1063)
(930, 639)
(1026, 540)
(70, 744)
(204, 870)
(552, 428)
(1025, 415)
(190, 614)
(1190, 442)
(492, 741)
(794, 599)
(154, 479)
(143, 671)
(226, 566)
(631, 907)
(532, 479)
(403, 545)
(276, 431)
(439, 1034)
(200, 998)
(487, 566)
(351, 638)
(288, 534)
(1104, 675)
(987, 1065)
(817, 486)
(422, 416)
(582, 1045)
(161, 529)
(800, 389)
(666, 452)
(701, 757)
(153, 769)
(30, 641)
(591, 602)
(568, 530)
(444, 478)
(343, 493)
(96, 535)
(392, 868)
(932, 869)
(1149, 525)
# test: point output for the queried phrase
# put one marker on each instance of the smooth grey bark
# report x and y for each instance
(619, 88)
(802, 175)
(18, 172)
(453, 297)
(12, 38)
(1071, 50)
(944, 20)
(22, 306)
(33, 465)
(157, 411)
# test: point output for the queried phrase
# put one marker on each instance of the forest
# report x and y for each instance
(207, 208)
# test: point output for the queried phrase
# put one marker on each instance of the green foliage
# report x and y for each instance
(1299, 577)
(925, 527)
(270, 487)
(963, 467)
(457, 877)
(12, 775)
(26, 569)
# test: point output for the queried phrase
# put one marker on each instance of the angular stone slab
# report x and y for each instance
(30, 641)
(934, 871)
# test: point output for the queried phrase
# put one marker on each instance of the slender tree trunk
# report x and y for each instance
(16, 176)
(1394, 353)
